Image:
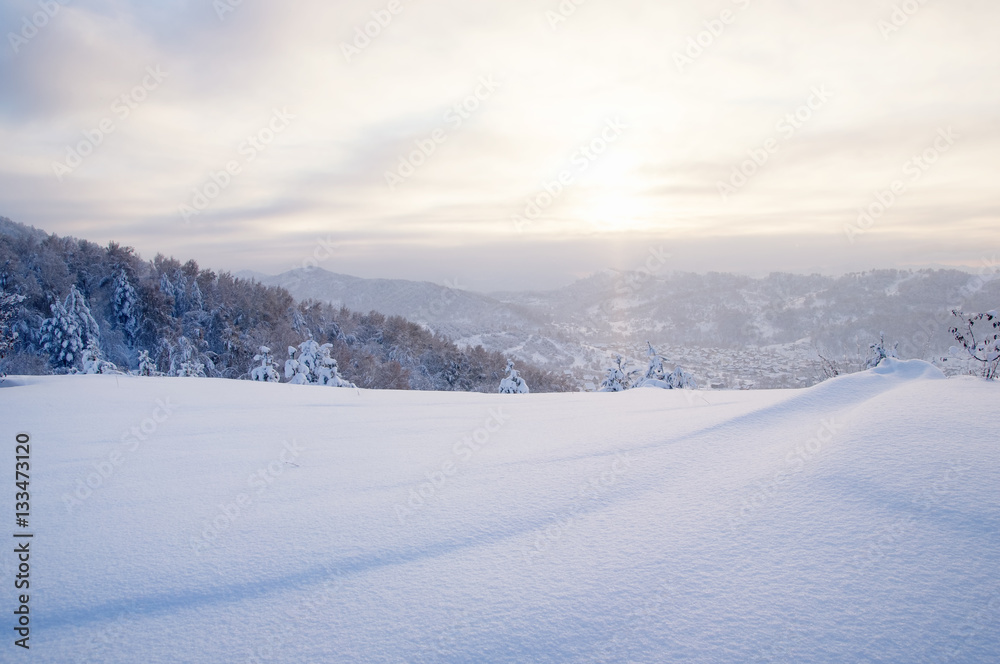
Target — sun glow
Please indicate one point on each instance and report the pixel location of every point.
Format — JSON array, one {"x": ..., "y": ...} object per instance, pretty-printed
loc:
[{"x": 612, "y": 197}]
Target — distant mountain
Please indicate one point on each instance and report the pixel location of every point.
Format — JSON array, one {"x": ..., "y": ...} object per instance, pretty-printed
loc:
[
  {"x": 732, "y": 330},
  {"x": 453, "y": 312}
]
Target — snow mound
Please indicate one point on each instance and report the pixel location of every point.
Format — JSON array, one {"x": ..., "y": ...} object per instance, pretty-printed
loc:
[{"x": 908, "y": 369}]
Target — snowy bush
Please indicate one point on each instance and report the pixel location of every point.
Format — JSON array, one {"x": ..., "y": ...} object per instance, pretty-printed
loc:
[
  {"x": 619, "y": 378},
  {"x": 69, "y": 331},
  {"x": 982, "y": 344},
  {"x": 265, "y": 372},
  {"x": 512, "y": 382},
  {"x": 313, "y": 366},
  {"x": 878, "y": 351}
]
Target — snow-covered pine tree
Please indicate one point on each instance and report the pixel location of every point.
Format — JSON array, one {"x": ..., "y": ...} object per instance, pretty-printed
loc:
[
  {"x": 125, "y": 303},
  {"x": 980, "y": 345},
  {"x": 512, "y": 382},
  {"x": 296, "y": 372},
  {"x": 619, "y": 378},
  {"x": 8, "y": 334},
  {"x": 313, "y": 366},
  {"x": 265, "y": 373},
  {"x": 147, "y": 367},
  {"x": 681, "y": 380},
  {"x": 326, "y": 370},
  {"x": 655, "y": 369},
  {"x": 878, "y": 351},
  {"x": 69, "y": 331},
  {"x": 93, "y": 363},
  {"x": 184, "y": 360}
]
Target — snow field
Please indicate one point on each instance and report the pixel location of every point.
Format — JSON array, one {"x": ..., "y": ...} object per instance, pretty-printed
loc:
[{"x": 858, "y": 520}]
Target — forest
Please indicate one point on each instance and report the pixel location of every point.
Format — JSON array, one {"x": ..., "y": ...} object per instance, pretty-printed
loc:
[{"x": 69, "y": 301}]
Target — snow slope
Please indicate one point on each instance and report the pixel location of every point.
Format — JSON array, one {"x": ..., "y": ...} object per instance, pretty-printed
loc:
[{"x": 855, "y": 521}]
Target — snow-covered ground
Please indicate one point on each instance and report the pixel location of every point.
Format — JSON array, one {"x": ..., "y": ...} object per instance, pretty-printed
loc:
[{"x": 854, "y": 521}]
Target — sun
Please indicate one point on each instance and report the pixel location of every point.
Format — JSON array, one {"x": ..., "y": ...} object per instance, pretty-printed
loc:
[{"x": 611, "y": 197}]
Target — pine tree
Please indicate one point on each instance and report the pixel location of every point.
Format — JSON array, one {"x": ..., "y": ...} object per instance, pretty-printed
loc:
[
  {"x": 147, "y": 367},
  {"x": 69, "y": 331},
  {"x": 125, "y": 303},
  {"x": 681, "y": 380},
  {"x": 265, "y": 373},
  {"x": 184, "y": 360},
  {"x": 296, "y": 372},
  {"x": 314, "y": 366},
  {"x": 8, "y": 335},
  {"x": 93, "y": 363},
  {"x": 326, "y": 371},
  {"x": 619, "y": 378},
  {"x": 512, "y": 382}
]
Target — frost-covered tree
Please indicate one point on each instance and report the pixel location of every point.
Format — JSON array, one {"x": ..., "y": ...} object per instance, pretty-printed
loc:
[
  {"x": 184, "y": 360},
  {"x": 125, "y": 303},
  {"x": 69, "y": 331},
  {"x": 265, "y": 372},
  {"x": 878, "y": 351},
  {"x": 94, "y": 363},
  {"x": 313, "y": 366},
  {"x": 619, "y": 378},
  {"x": 681, "y": 380},
  {"x": 657, "y": 376},
  {"x": 147, "y": 367},
  {"x": 654, "y": 371},
  {"x": 512, "y": 382},
  {"x": 326, "y": 370},
  {"x": 980, "y": 344},
  {"x": 296, "y": 372},
  {"x": 8, "y": 333}
]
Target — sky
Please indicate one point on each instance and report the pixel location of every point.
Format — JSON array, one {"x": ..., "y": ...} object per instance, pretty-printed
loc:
[{"x": 508, "y": 145}]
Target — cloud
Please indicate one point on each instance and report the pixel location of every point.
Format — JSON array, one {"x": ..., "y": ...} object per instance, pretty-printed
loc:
[{"x": 688, "y": 128}]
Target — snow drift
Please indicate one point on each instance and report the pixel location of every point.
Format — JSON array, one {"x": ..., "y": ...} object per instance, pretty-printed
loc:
[{"x": 200, "y": 520}]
